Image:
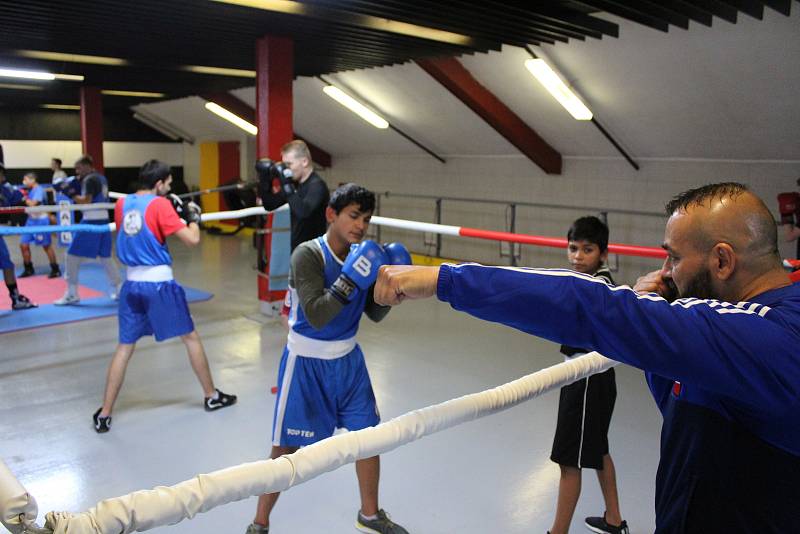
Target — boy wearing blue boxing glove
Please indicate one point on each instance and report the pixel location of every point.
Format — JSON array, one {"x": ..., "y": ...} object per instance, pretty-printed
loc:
[{"x": 323, "y": 383}]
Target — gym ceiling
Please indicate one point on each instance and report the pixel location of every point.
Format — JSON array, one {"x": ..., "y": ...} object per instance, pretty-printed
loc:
[{"x": 176, "y": 48}]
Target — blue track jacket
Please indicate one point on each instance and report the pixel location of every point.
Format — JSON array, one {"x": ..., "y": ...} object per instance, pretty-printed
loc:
[{"x": 725, "y": 376}]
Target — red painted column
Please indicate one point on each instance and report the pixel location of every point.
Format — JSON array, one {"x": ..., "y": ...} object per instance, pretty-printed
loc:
[
  {"x": 274, "y": 77},
  {"x": 92, "y": 125}
]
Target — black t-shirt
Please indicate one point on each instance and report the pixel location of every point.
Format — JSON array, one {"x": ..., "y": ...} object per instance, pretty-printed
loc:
[
  {"x": 307, "y": 207},
  {"x": 92, "y": 184}
]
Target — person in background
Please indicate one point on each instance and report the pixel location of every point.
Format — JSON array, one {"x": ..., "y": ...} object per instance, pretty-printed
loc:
[{"x": 36, "y": 197}]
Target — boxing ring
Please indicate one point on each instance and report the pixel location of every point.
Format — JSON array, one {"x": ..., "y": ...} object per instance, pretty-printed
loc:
[{"x": 147, "y": 509}]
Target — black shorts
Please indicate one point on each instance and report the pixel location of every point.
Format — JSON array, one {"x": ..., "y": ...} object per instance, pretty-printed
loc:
[{"x": 584, "y": 414}]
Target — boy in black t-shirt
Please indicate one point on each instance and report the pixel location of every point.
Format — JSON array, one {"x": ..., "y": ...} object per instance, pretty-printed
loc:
[{"x": 585, "y": 406}]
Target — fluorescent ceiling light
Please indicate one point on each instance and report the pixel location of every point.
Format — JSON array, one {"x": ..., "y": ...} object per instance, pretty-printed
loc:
[
  {"x": 27, "y": 74},
  {"x": 71, "y": 107},
  {"x": 366, "y": 21},
  {"x": 143, "y": 94},
  {"x": 218, "y": 110},
  {"x": 69, "y": 77},
  {"x": 556, "y": 87},
  {"x": 220, "y": 71},
  {"x": 21, "y": 86},
  {"x": 72, "y": 58},
  {"x": 356, "y": 107}
]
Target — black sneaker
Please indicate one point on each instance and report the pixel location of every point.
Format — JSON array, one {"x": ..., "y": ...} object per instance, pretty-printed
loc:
[
  {"x": 380, "y": 525},
  {"x": 101, "y": 424},
  {"x": 21, "y": 302},
  {"x": 26, "y": 273},
  {"x": 223, "y": 400},
  {"x": 54, "y": 273},
  {"x": 598, "y": 524}
]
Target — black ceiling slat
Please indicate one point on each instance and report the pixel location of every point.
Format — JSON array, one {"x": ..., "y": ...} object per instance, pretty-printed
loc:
[
  {"x": 573, "y": 18},
  {"x": 631, "y": 14},
  {"x": 715, "y": 7},
  {"x": 658, "y": 10},
  {"x": 784, "y": 7},
  {"x": 456, "y": 21},
  {"x": 690, "y": 10},
  {"x": 535, "y": 13},
  {"x": 481, "y": 14},
  {"x": 749, "y": 7}
]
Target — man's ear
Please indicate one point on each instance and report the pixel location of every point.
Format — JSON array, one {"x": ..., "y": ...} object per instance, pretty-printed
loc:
[
  {"x": 723, "y": 261},
  {"x": 330, "y": 214}
]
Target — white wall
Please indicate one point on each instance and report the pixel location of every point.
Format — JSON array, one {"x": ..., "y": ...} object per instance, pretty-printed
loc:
[
  {"x": 591, "y": 182},
  {"x": 37, "y": 154}
]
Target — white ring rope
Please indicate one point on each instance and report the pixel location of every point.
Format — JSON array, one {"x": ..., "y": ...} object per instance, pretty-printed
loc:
[{"x": 143, "y": 510}]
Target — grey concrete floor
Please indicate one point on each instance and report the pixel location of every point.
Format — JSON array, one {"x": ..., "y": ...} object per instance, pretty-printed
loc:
[{"x": 489, "y": 476}]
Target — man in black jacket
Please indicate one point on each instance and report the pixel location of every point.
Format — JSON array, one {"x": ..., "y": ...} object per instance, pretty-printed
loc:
[{"x": 303, "y": 189}]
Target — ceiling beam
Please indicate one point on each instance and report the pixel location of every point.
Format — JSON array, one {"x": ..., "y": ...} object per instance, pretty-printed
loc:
[
  {"x": 455, "y": 78},
  {"x": 247, "y": 112}
]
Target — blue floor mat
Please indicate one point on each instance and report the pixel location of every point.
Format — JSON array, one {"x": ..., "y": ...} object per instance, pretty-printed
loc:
[{"x": 92, "y": 276}]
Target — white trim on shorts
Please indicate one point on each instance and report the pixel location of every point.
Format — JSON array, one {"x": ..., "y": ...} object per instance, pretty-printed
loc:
[
  {"x": 288, "y": 373},
  {"x": 149, "y": 273}
]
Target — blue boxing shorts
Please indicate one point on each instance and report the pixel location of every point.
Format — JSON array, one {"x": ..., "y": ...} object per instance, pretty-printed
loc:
[
  {"x": 43, "y": 240},
  {"x": 316, "y": 396},
  {"x": 5, "y": 257},
  {"x": 91, "y": 244},
  {"x": 153, "y": 308}
]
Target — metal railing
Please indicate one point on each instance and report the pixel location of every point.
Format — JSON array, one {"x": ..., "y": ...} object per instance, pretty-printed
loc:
[{"x": 512, "y": 210}]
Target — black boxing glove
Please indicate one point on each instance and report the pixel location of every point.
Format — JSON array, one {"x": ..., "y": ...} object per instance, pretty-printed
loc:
[
  {"x": 192, "y": 212},
  {"x": 287, "y": 179},
  {"x": 179, "y": 206},
  {"x": 264, "y": 170}
]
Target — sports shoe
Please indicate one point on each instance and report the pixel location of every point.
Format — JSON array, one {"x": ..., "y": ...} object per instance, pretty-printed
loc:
[
  {"x": 598, "y": 524},
  {"x": 28, "y": 271},
  {"x": 21, "y": 302},
  {"x": 101, "y": 424},
  {"x": 54, "y": 273},
  {"x": 380, "y": 525},
  {"x": 255, "y": 528},
  {"x": 223, "y": 400},
  {"x": 67, "y": 299}
]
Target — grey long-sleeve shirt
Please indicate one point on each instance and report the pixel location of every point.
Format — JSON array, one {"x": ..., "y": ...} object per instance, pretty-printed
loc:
[{"x": 307, "y": 276}]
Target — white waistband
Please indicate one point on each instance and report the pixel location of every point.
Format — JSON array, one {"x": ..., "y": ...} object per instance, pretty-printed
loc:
[
  {"x": 149, "y": 273},
  {"x": 318, "y": 348}
]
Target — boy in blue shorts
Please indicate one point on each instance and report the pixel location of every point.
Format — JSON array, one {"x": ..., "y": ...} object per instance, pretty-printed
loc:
[
  {"x": 323, "y": 383},
  {"x": 36, "y": 197},
  {"x": 585, "y": 406},
  {"x": 89, "y": 245},
  {"x": 150, "y": 301}
]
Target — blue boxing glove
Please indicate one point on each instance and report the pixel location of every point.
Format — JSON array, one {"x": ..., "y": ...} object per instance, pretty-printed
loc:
[
  {"x": 397, "y": 254},
  {"x": 70, "y": 187},
  {"x": 360, "y": 270}
]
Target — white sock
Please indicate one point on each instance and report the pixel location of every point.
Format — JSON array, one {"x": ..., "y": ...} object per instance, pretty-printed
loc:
[{"x": 368, "y": 517}]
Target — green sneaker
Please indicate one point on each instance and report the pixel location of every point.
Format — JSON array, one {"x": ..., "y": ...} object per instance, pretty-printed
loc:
[
  {"x": 255, "y": 528},
  {"x": 380, "y": 525}
]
